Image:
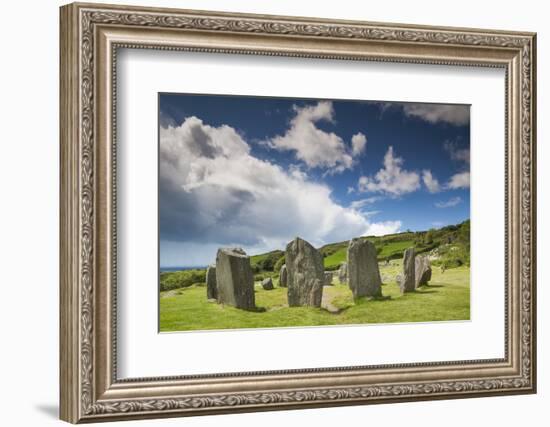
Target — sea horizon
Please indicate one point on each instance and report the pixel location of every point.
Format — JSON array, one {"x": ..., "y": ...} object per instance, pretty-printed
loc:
[{"x": 181, "y": 268}]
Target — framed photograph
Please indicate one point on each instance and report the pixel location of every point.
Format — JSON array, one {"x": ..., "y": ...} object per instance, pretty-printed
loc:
[{"x": 266, "y": 212}]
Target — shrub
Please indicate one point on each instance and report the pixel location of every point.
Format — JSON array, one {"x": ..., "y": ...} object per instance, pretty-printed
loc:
[
  {"x": 451, "y": 256},
  {"x": 279, "y": 264},
  {"x": 181, "y": 279},
  {"x": 265, "y": 262}
]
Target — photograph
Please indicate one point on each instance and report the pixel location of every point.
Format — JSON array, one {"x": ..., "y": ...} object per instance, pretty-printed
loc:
[
  {"x": 291, "y": 212},
  {"x": 264, "y": 210}
]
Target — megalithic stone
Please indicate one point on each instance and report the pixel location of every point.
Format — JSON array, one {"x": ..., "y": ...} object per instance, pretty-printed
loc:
[
  {"x": 408, "y": 280},
  {"x": 283, "y": 277},
  {"x": 343, "y": 273},
  {"x": 234, "y": 278},
  {"x": 363, "y": 272},
  {"x": 211, "y": 287},
  {"x": 423, "y": 270},
  {"x": 328, "y": 278},
  {"x": 306, "y": 274},
  {"x": 267, "y": 284}
]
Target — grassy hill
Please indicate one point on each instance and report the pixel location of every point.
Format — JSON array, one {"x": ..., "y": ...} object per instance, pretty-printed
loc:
[
  {"x": 336, "y": 254},
  {"x": 451, "y": 244},
  {"x": 449, "y": 247}
]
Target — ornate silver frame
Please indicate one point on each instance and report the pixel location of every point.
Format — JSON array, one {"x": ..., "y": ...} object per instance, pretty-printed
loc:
[{"x": 90, "y": 36}]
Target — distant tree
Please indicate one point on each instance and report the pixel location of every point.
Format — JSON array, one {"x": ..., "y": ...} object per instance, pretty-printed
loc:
[
  {"x": 268, "y": 263},
  {"x": 279, "y": 264},
  {"x": 429, "y": 237},
  {"x": 464, "y": 233}
]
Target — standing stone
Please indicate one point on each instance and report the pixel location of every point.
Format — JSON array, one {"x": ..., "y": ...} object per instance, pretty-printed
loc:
[
  {"x": 423, "y": 270},
  {"x": 283, "y": 277},
  {"x": 328, "y": 278},
  {"x": 267, "y": 284},
  {"x": 343, "y": 273},
  {"x": 305, "y": 274},
  {"x": 363, "y": 273},
  {"x": 234, "y": 278},
  {"x": 211, "y": 287},
  {"x": 407, "y": 283}
]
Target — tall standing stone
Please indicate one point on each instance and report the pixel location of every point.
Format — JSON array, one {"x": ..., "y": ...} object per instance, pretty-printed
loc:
[
  {"x": 363, "y": 272},
  {"x": 234, "y": 278},
  {"x": 283, "y": 277},
  {"x": 423, "y": 270},
  {"x": 211, "y": 287},
  {"x": 305, "y": 274},
  {"x": 328, "y": 278},
  {"x": 407, "y": 283},
  {"x": 343, "y": 273}
]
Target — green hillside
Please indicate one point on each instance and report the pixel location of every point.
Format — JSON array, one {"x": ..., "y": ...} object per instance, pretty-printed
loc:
[
  {"x": 448, "y": 246},
  {"x": 265, "y": 262}
]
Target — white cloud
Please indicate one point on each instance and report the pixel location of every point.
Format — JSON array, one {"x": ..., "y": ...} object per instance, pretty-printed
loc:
[
  {"x": 214, "y": 192},
  {"x": 431, "y": 183},
  {"x": 457, "y": 115},
  {"x": 316, "y": 147},
  {"x": 458, "y": 154},
  {"x": 362, "y": 184},
  {"x": 391, "y": 179},
  {"x": 359, "y": 204},
  {"x": 453, "y": 201},
  {"x": 462, "y": 155},
  {"x": 459, "y": 180},
  {"x": 358, "y": 143},
  {"x": 383, "y": 228}
]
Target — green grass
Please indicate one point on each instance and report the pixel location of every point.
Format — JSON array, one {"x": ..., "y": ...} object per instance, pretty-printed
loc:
[
  {"x": 336, "y": 258},
  {"x": 392, "y": 249},
  {"x": 446, "y": 298}
]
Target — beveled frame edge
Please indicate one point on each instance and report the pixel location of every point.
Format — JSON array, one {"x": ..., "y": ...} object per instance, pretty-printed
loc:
[{"x": 88, "y": 390}]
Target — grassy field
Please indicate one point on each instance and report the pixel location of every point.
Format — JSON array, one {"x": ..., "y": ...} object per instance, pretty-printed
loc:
[{"x": 446, "y": 298}]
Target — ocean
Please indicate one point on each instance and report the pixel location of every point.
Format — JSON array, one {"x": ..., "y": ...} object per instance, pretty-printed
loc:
[{"x": 198, "y": 267}]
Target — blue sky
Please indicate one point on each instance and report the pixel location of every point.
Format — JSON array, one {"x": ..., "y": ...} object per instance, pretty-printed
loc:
[{"x": 255, "y": 172}]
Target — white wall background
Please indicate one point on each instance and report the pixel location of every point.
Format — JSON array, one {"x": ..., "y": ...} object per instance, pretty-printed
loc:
[{"x": 29, "y": 170}]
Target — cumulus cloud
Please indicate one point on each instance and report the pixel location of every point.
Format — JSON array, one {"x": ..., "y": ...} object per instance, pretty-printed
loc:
[
  {"x": 383, "y": 228},
  {"x": 457, "y": 115},
  {"x": 314, "y": 146},
  {"x": 459, "y": 180},
  {"x": 213, "y": 191},
  {"x": 391, "y": 179},
  {"x": 453, "y": 201},
  {"x": 358, "y": 143},
  {"x": 431, "y": 183}
]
